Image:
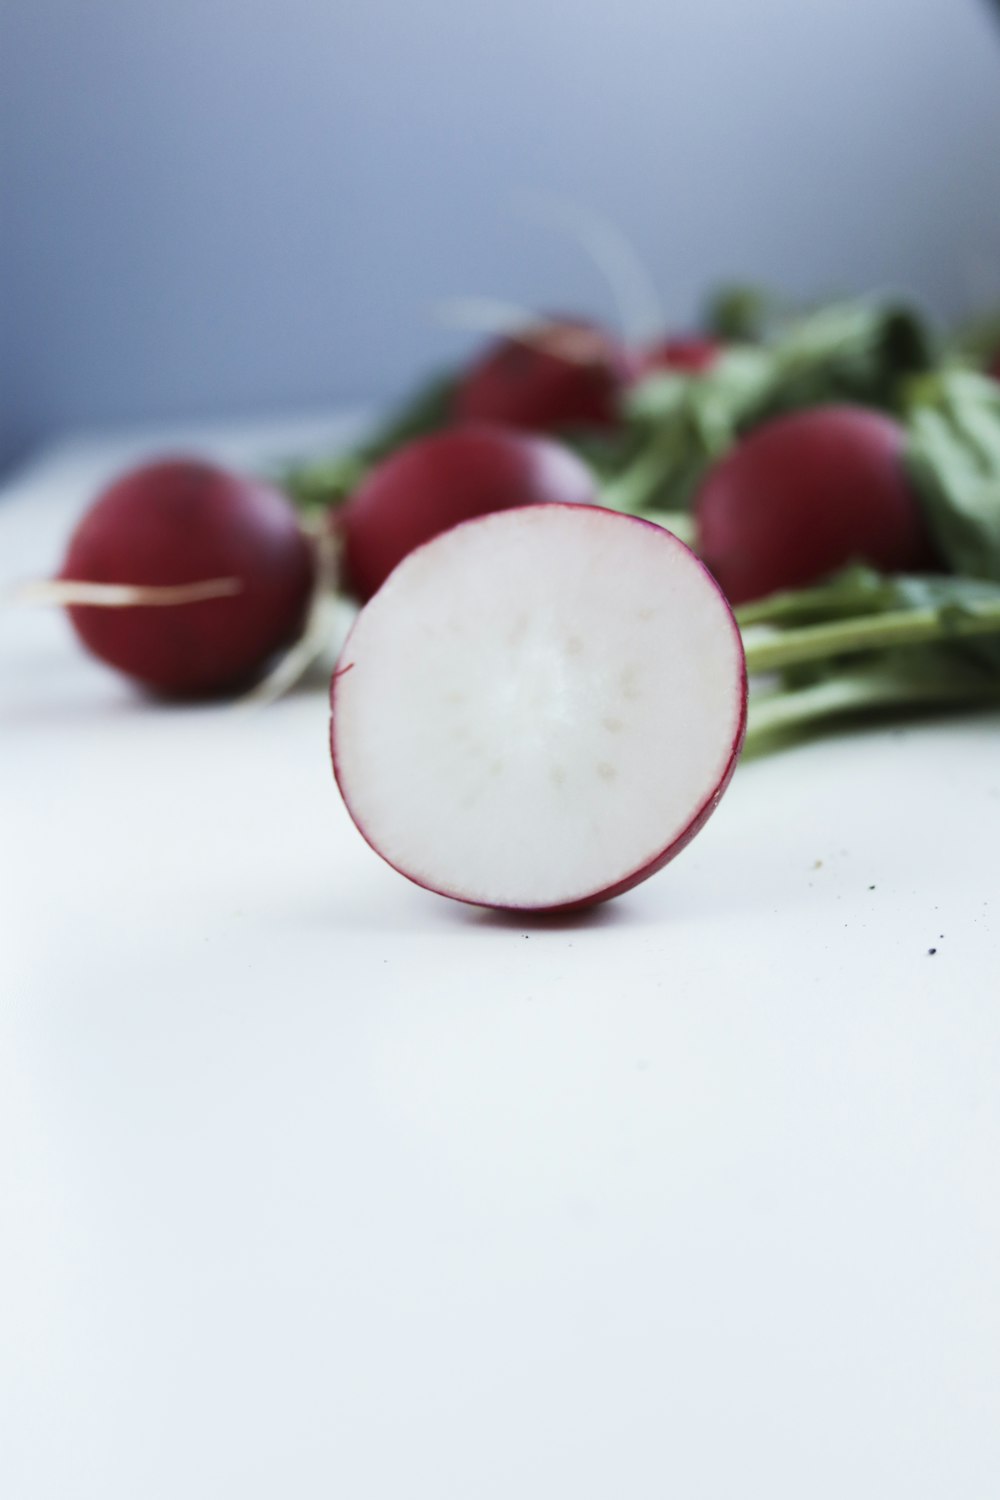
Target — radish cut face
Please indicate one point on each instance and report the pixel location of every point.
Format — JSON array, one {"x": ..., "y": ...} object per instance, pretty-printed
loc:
[{"x": 539, "y": 707}]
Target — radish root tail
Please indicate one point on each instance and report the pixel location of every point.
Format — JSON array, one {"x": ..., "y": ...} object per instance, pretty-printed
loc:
[{"x": 60, "y": 592}]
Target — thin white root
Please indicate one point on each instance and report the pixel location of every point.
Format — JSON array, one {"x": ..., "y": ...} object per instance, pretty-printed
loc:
[
  {"x": 296, "y": 662},
  {"x": 633, "y": 291},
  {"x": 65, "y": 591},
  {"x": 320, "y": 625}
]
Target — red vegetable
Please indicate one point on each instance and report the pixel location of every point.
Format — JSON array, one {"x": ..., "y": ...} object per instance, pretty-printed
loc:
[
  {"x": 435, "y": 482},
  {"x": 559, "y": 375},
  {"x": 806, "y": 494},
  {"x": 540, "y": 709},
  {"x": 177, "y": 522},
  {"x": 690, "y": 354}
]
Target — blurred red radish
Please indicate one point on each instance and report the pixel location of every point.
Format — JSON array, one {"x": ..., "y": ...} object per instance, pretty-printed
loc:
[
  {"x": 539, "y": 708},
  {"x": 177, "y": 522},
  {"x": 435, "y": 482},
  {"x": 689, "y": 354},
  {"x": 556, "y": 376},
  {"x": 805, "y": 494}
]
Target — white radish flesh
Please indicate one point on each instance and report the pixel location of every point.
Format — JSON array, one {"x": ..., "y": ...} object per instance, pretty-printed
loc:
[{"x": 539, "y": 708}]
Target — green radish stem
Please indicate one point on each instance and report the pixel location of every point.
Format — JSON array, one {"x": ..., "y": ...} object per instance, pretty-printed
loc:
[
  {"x": 904, "y": 627},
  {"x": 824, "y": 600},
  {"x": 633, "y": 489},
  {"x": 785, "y": 713}
]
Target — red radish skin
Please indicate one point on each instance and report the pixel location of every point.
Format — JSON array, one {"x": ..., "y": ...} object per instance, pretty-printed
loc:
[
  {"x": 438, "y": 481},
  {"x": 515, "y": 622},
  {"x": 175, "y": 522},
  {"x": 688, "y": 354},
  {"x": 808, "y": 493},
  {"x": 558, "y": 376}
]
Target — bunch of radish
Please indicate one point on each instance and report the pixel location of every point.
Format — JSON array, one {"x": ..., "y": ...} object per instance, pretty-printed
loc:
[
  {"x": 539, "y": 709},
  {"x": 542, "y": 699}
]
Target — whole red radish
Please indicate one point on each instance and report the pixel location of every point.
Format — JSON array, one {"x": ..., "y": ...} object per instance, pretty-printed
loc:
[
  {"x": 552, "y": 377},
  {"x": 177, "y": 522},
  {"x": 540, "y": 707},
  {"x": 435, "y": 482},
  {"x": 805, "y": 494},
  {"x": 688, "y": 354}
]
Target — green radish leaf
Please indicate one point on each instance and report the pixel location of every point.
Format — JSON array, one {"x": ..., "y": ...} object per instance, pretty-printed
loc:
[
  {"x": 977, "y": 341},
  {"x": 847, "y": 351},
  {"x": 427, "y": 410},
  {"x": 953, "y": 457},
  {"x": 323, "y": 483},
  {"x": 741, "y": 314}
]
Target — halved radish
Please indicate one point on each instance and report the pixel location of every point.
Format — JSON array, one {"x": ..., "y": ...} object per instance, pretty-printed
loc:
[{"x": 539, "y": 708}]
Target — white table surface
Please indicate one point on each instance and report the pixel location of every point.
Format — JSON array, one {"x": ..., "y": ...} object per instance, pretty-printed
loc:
[{"x": 313, "y": 1184}]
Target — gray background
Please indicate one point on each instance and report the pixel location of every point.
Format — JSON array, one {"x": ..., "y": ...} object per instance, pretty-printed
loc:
[{"x": 220, "y": 207}]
